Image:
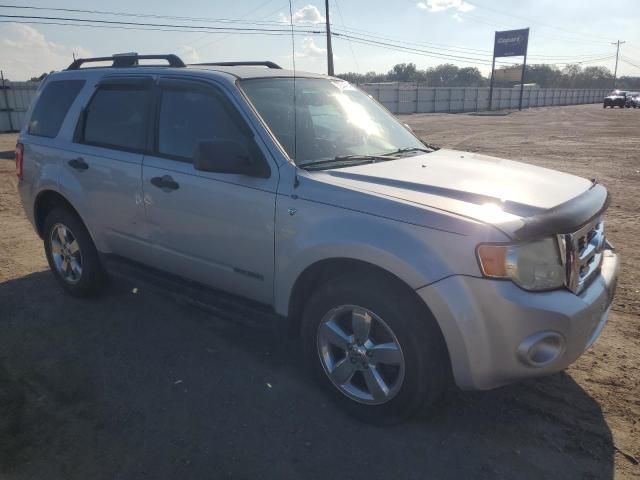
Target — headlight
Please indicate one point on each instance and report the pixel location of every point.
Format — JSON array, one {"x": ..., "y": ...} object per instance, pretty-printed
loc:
[{"x": 533, "y": 266}]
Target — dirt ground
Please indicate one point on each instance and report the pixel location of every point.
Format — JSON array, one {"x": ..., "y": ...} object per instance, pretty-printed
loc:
[{"x": 136, "y": 385}]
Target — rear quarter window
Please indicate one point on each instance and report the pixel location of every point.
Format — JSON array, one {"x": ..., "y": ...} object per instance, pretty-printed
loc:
[{"x": 52, "y": 107}]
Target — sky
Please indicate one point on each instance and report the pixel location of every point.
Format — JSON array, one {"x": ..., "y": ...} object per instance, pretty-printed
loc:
[{"x": 438, "y": 31}]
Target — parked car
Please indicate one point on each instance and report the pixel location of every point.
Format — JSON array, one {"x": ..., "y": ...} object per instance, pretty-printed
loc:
[
  {"x": 617, "y": 98},
  {"x": 633, "y": 100},
  {"x": 402, "y": 267}
]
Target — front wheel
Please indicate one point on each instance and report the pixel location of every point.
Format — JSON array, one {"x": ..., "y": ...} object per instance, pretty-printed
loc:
[
  {"x": 71, "y": 254},
  {"x": 369, "y": 343}
]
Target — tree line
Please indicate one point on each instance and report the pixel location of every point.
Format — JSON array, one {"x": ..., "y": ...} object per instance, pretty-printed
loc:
[{"x": 545, "y": 76}]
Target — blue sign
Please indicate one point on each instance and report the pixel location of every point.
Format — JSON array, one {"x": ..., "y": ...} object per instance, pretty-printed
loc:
[{"x": 511, "y": 43}]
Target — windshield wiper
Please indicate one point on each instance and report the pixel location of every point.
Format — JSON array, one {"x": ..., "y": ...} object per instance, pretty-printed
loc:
[
  {"x": 409, "y": 149},
  {"x": 345, "y": 160}
]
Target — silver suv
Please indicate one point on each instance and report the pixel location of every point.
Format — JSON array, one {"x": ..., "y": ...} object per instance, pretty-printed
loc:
[{"x": 401, "y": 266}]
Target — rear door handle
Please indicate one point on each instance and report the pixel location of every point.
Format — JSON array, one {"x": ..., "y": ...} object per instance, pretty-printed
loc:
[
  {"x": 165, "y": 183},
  {"x": 78, "y": 164}
]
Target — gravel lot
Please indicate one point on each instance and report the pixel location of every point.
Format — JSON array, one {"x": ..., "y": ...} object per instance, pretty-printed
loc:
[{"x": 137, "y": 385}]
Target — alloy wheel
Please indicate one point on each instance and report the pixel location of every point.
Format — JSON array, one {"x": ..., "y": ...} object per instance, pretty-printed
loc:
[
  {"x": 360, "y": 354},
  {"x": 66, "y": 253}
]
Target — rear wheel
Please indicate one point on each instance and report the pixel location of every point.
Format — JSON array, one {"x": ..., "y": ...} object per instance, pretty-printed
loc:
[
  {"x": 71, "y": 254},
  {"x": 370, "y": 344}
]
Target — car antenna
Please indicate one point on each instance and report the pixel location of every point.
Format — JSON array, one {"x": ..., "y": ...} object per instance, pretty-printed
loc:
[{"x": 296, "y": 180}]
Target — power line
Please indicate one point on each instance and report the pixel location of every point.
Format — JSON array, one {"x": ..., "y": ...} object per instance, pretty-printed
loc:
[
  {"x": 463, "y": 59},
  {"x": 152, "y": 29},
  {"x": 485, "y": 53},
  {"x": 252, "y": 11},
  {"x": 398, "y": 45},
  {"x": 365, "y": 33},
  {"x": 148, "y": 15},
  {"x": 426, "y": 53},
  {"x": 353, "y": 54},
  {"x": 628, "y": 62},
  {"x": 434, "y": 55},
  {"x": 113, "y": 22}
]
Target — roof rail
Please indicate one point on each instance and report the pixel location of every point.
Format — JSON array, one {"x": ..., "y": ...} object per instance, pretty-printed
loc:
[
  {"x": 238, "y": 64},
  {"x": 128, "y": 60}
]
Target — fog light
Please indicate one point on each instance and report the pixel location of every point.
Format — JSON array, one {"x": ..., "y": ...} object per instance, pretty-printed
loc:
[{"x": 541, "y": 349}]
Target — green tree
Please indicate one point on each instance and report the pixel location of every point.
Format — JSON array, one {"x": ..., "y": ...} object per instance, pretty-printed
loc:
[
  {"x": 470, "y": 77},
  {"x": 442, "y": 75},
  {"x": 595, "y": 77},
  {"x": 403, "y": 72}
]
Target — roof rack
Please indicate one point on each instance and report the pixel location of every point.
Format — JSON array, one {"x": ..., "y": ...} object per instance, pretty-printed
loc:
[
  {"x": 238, "y": 64},
  {"x": 128, "y": 60}
]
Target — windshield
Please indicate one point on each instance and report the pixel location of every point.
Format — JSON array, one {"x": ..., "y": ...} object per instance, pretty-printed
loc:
[
  {"x": 617, "y": 93},
  {"x": 333, "y": 119}
]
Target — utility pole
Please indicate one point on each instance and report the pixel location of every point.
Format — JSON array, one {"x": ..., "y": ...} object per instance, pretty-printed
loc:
[
  {"x": 615, "y": 72},
  {"x": 329, "y": 49}
]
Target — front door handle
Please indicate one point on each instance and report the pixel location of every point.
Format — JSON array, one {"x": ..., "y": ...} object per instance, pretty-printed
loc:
[
  {"x": 78, "y": 164},
  {"x": 165, "y": 183}
]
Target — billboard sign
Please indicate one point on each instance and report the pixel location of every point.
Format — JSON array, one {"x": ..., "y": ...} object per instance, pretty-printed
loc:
[
  {"x": 508, "y": 74},
  {"x": 511, "y": 43}
]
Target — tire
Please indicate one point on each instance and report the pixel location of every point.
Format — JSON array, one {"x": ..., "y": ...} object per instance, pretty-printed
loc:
[
  {"x": 77, "y": 250},
  {"x": 414, "y": 385}
]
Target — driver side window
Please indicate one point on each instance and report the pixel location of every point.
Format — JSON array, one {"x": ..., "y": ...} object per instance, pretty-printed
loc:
[{"x": 191, "y": 115}]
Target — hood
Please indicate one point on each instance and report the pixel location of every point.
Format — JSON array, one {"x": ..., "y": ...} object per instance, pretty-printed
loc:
[{"x": 483, "y": 188}]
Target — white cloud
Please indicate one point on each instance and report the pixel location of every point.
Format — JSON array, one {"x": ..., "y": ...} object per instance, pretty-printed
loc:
[
  {"x": 309, "y": 14},
  {"x": 189, "y": 54},
  {"x": 26, "y": 52},
  {"x": 442, "y": 5},
  {"x": 457, "y": 17},
  {"x": 309, "y": 49}
]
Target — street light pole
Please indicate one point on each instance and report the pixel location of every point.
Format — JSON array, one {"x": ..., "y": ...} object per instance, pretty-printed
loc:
[{"x": 329, "y": 49}]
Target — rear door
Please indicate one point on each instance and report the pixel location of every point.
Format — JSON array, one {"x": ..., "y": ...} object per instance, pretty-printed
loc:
[
  {"x": 105, "y": 164},
  {"x": 215, "y": 228}
]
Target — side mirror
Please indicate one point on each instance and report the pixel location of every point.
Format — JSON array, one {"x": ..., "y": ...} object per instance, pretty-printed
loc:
[{"x": 226, "y": 156}]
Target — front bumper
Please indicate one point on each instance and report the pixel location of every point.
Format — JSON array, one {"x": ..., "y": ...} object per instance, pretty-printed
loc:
[{"x": 487, "y": 323}]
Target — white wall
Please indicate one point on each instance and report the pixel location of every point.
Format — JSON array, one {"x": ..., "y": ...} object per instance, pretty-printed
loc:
[
  {"x": 411, "y": 98},
  {"x": 19, "y": 95},
  {"x": 397, "y": 97}
]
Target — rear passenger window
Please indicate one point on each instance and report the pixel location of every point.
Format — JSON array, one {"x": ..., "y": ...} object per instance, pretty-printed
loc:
[
  {"x": 53, "y": 104},
  {"x": 117, "y": 117},
  {"x": 188, "y": 116}
]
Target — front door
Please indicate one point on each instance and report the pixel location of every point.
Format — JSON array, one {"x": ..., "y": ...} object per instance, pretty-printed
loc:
[{"x": 215, "y": 228}]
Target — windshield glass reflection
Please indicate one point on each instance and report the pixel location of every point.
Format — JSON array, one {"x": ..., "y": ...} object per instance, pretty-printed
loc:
[{"x": 332, "y": 119}]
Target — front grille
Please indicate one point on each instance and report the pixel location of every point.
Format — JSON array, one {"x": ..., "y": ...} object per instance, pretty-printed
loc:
[{"x": 583, "y": 254}]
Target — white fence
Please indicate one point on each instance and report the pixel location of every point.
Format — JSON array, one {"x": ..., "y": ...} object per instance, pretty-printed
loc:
[
  {"x": 15, "y": 98},
  {"x": 412, "y": 98}
]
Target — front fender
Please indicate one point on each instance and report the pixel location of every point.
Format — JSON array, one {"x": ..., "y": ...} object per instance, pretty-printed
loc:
[{"x": 308, "y": 232}]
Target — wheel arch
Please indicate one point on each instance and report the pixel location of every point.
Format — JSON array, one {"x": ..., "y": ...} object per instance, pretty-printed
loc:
[
  {"x": 323, "y": 270},
  {"x": 45, "y": 202}
]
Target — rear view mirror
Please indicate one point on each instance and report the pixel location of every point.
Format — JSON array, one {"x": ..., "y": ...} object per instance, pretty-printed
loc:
[{"x": 226, "y": 156}]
